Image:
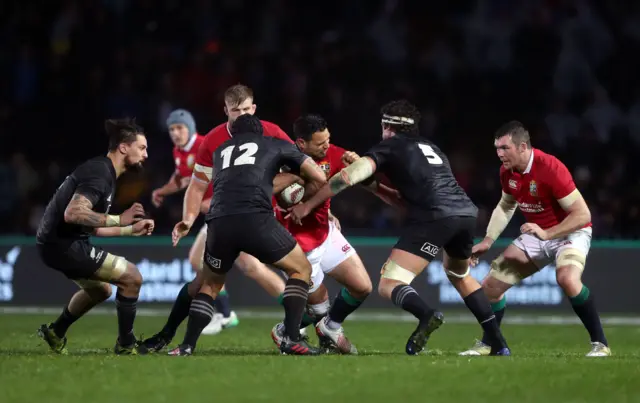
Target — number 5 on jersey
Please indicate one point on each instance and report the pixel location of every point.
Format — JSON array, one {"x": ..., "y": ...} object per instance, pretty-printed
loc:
[
  {"x": 432, "y": 157},
  {"x": 246, "y": 158}
]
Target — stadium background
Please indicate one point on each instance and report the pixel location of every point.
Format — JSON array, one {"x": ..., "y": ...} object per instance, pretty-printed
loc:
[{"x": 567, "y": 69}]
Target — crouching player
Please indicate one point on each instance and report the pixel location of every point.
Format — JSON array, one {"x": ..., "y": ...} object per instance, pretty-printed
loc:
[{"x": 558, "y": 230}]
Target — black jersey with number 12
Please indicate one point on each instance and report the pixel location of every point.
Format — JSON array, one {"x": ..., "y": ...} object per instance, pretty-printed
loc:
[
  {"x": 422, "y": 174},
  {"x": 96, "y": 180},
  {"x": 244, "y": 168}
]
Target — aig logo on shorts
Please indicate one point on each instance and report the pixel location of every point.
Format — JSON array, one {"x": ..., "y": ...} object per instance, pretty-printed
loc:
[
  {"x": 430, "y": 249},
  {"x": 213, "y": 262}
]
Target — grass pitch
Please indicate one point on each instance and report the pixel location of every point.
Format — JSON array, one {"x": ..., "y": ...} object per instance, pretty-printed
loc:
[{"x": 243, "y": 365}]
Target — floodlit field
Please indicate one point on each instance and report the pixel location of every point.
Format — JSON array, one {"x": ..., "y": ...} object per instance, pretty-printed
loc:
[{"x": 242, "y": 365}]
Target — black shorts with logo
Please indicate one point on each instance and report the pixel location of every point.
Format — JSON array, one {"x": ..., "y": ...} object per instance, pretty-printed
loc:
[
  {"x": 425, "y": 239},
  {"x": 258, "y": 234},
  {"x": 77, "y": 259}
]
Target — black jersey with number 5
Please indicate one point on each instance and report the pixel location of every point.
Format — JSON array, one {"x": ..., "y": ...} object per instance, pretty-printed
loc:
[
  {"x": 422, "y": 174},
  {"x": 243, "y": 172},
  {"x": 96, "y": 180}
]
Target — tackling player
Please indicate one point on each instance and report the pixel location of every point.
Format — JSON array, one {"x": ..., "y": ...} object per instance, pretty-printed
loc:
[
  {"x": 558, "y": 230},
  {"x": 242, "y": 170},
  {"x": 326, "y": 248},
  {"x": 439, "y": 215},
  {"x": 80, "y": 208},
  {"x": 182, "y": 129},
  {"x": 238, "y": 101}
]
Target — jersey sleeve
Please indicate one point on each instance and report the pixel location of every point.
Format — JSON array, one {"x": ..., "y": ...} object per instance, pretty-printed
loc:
[
  {"x": 380, "y": 153},
  {"x": 204, "y": 159},
  {"x": 336, "y": 157},
  {"x": 273, "y": 130},
  {"x": 291, "y": 156},
  {"x": 93, "y": 183},
  {"x": 560, "y": 181},
  {"x": 504, "y": 181}
]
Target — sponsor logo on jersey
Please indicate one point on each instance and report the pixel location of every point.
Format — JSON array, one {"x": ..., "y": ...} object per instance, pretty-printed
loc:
[
  {"x": 191, "y": 160},
  {"x": 513, "y": 184},
  {"x": 533, "y": 188},
  {"x": 326, "y": 167},
  {"x": 430, "y": 249},
  {"x": 212, "y": 261}
]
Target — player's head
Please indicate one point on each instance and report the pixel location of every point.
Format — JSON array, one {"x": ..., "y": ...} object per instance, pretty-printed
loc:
[
  {"x": 312, "y": 135},
  {"x": 181, "y": 126},
  {"x": 245, "y": 124},
  {"x": 513, "y": 145},
  {"x": 238, "y": 101},
  {"x": 399, "y": 116},
  {"x": 127, "y": 140}
]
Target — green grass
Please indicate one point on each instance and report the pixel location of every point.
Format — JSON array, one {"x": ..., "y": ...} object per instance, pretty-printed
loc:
[{"x": 242, "y": 365}]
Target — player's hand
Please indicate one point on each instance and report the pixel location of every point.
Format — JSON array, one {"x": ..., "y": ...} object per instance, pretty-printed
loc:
[
  {"x": 180, "y": 230},
  {"x": 535, "y": 230},
  {"x": 297, "y": 213},
  {"x": 478, "y": 250},
  {"x": 157, "y": 198},
  {"x": 132, "y": 215},
  {"x": 144, "y": 227},
  {"x": 349, "y": 157},
  {"x": 335, "y": 222}
]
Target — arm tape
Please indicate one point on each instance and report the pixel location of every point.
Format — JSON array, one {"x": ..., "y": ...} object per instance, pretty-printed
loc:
[
  {"x": 501, "y": 216},
  {"x": 569, "y": 199}
]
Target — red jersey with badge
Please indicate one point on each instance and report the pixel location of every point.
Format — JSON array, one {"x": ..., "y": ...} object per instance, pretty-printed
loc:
[
  {"x": 185, "y": 159},
  {"x": 538, "y": 189},
  {"x": 220, "y": 134},
  {"x": 315, "y": 227}
]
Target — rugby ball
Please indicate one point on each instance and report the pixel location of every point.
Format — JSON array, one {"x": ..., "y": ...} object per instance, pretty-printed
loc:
[{"x": 292, "y": 195}]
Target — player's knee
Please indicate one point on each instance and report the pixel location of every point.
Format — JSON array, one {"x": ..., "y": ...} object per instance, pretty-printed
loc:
[
  {"x": 134, "y": 277},
  {"x": 493, "y": 288},
  {"x": 568, "y": 278},
  {"x": 361, "y": 290}
]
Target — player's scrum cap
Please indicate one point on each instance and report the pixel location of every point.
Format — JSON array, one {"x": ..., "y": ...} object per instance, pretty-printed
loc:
[
  {"x": 184, "y": 117},
  {"x": 397, "y": 120}
]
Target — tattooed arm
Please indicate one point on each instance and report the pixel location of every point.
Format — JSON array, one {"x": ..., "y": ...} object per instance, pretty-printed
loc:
[{"x": 79, "y": 211}]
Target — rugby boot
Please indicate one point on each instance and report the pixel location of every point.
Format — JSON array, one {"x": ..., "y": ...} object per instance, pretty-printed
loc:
[
  {"x": 598, "y": 350},
  {"x": 420, "y": 336},
  {"x": 57, "y": 344},
  {"x": 277, "y": 334},
  {"x": 300, "y": 347},
  {"x": 157, "y": 342},
  {"x": 478, "y": 349},
  {"x": 182, "y": 350},
  {"x": 136, "y": 348},
  {"x": 334, "y": 338}
]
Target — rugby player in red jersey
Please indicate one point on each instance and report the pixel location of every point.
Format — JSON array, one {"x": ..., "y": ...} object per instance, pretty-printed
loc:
[
  {"x": 238, "y": 101},
  {"x": 558, "y": 230},
  {"x": 326, "y": 248}
]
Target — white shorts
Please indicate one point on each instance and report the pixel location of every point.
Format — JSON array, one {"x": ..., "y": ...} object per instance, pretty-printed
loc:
[
  {"x": 543, "y": 253},
  {"x": 326, "y": 257}
]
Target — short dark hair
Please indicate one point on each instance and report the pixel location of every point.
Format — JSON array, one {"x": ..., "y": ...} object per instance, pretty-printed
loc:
[
  {"x": 122, "y": 131},
  {"x": 247, "y": 124},
  {"x": 402, "y": 116},
  {"x": 237, "y": 94},
  {"x": 306, "y": 125},
  {"x": 517, "y": 131}
]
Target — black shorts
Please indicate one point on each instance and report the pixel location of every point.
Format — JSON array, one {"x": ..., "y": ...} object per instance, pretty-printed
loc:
[
  {"x": 78, "y": 260},
  {"x": 426, "y": 239},
  {"x": 259, "y": 235}
]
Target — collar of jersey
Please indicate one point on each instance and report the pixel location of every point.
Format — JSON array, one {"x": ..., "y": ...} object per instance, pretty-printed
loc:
[
  {"x": 530, "y": 164},
  {"x": 190, "y": 143}
]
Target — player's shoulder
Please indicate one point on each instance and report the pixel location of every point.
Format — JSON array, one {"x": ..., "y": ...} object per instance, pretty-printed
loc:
[
  {"x": 335, "y": 150},
  {"x": 269, "y": 126},
  {"x": 216, "y": 136},
  {"x": 95, "y": 165},
  {"x": 546, "y": 162}
]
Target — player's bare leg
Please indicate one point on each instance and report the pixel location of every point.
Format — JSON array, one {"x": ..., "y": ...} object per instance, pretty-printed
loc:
[
  {"x": 270, "y": 281},
  {"x": 201, "y": 310},
  {"x": 357, "y": 287},
  {"x": 296, "y": 293},
  {"x": 457, "y": 271},
  {"x": 508, "y": 269},
  {"x": 91, "y": 294},
  {"x": 396, "y": 276},
  {"x": 569, "y": 268}
]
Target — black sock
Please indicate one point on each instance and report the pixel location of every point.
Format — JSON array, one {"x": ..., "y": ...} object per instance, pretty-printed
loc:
[
  {"x": 585, "y": 307},
  {"x": 200, "y": 314},
  {"x": 498, "y": 310},
  {"x": 179, "y": 312},
  {"x": 222, "y": 304},
  {"x": 408, "y": 299},
  {"x": 126, "y": 308},
  {"x": 295, "y": 294},
  {"x": 343, "y": 306},
  {"x": 478, "y": 304},
  {"x": 61, "y": 325},
  {"x": 306, "y": 318}
]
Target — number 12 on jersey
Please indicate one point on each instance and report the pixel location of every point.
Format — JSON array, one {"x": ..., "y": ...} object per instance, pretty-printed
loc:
[
  {"x": 432, "y": 157},
  {"x": 246, "y": 158}
]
